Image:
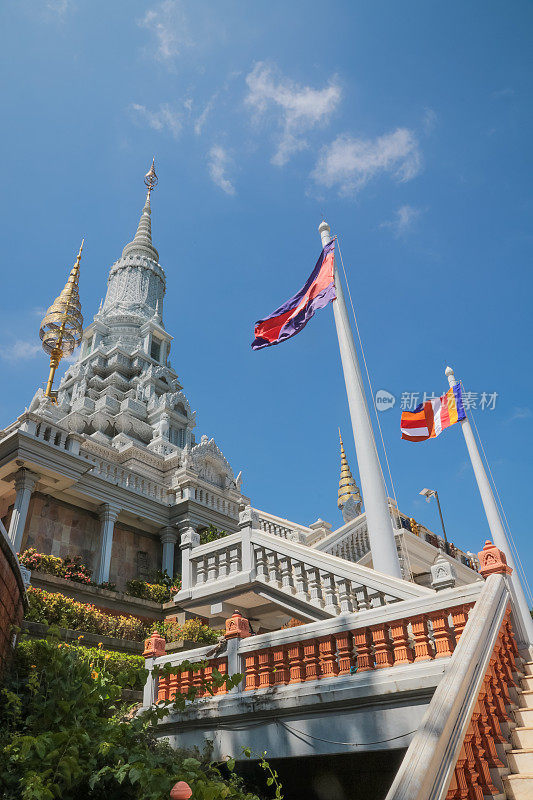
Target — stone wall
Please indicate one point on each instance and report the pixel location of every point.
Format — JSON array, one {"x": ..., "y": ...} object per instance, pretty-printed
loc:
[
  {"x": 60, "y": 529},
  {"x": 11, "y": 597},
  {"x": 126, "y": 563}
]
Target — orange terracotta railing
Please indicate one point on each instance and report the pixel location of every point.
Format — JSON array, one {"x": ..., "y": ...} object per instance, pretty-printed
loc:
[
  {"x": 471, "y": 778},
  {"x": 180, "y": 682},
  {"x": 423, "y": 637}
]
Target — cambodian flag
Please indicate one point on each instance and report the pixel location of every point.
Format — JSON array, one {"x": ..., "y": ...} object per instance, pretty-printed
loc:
[{"x": 292, "y": 316}]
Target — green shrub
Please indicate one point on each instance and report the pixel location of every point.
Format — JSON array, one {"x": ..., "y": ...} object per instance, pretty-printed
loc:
[
  {"x": 128, "y": 669},
  {"x": 61, "y": 737},
  {"x": 192, "y": 629},
  {"x": 54, "y": 608},
  {"x": 211, "y": 534},
  {"x": 33, "y": 560},
  {"x": 158, "y": 592}
]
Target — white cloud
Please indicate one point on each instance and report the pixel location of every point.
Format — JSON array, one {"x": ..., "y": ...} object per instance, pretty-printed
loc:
[
  {"x": 350, "y": 163},
  {"x": 429, "y": 121},
  {"x": 58, "y": 7},
  {"x": 168, "y": 24},
  {"x": 201, "y": 119},
  {"x": 218, "y": 163},
  {"x": 20, "y": 350},
  {"x": 503, "y": 93},
  {"x": 298, "y": 108},
  {"x": 403, "y": 220},
  {"x": 520, "y": 412},
  {"x": 165, "y": 118}
]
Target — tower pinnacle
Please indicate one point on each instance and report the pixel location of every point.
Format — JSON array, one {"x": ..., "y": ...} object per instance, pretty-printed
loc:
[
  {"x": 349, "y": 496},
  {"x": 142, "y": 241}
]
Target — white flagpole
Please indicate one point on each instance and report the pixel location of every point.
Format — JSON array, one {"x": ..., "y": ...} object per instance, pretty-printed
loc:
[
  {"x": 380, "y": 531},
  {"x": 499, "y": 536}
]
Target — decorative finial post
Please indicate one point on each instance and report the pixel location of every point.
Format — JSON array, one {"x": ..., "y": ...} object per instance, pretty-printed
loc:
[
  {"x": 62, "y": 326},
  {"x": 151, "y": 180}
]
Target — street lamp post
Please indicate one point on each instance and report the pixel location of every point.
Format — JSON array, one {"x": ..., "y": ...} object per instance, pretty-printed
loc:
[{"x": 428, "y": 494}]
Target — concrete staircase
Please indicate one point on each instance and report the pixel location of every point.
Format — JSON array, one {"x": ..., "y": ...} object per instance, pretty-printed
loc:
[{"x": 518, "y": 784}]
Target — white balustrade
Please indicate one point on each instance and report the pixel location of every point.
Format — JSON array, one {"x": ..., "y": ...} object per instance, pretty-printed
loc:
[
  {"x": 52, "y": 435},
  {"x": 325, "y": 582},
  {"x": 128, "y": 479}
]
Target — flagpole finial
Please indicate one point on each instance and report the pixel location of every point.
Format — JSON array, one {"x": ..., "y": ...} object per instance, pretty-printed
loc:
[
  {"x": 325, "y": 232},
  {"x": 450, "y": 375}
]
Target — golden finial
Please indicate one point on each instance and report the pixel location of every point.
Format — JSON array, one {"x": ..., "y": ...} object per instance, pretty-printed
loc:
[
  {"x": 62, "y": 327},
  {"x": 347, "y": 485},
  {"x": 150, "y": 179}
]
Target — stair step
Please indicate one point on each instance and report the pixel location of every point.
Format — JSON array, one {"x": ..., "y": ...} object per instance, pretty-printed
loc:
[
  {"x": 518, "y": 787},
  {"x": 524, "y": 717},
  {"x": 528, "y": 667},
  {"x": 527, "y": 682},
  {"x": 523, "y": 738},
  {"x": 521, "y": 761},
  {"x": 525, "y": 698}
]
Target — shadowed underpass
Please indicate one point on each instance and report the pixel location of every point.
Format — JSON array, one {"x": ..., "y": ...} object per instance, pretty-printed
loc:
[{"x": 354, "y": 776}]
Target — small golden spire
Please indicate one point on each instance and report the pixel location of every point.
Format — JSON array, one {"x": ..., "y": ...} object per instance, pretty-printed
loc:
[
  {"x": 347, "y": 485},
  {"x": 62, "y": 326}
]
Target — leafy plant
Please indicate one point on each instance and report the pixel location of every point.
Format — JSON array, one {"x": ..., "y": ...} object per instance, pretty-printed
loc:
[
  {"x": 157, "y": 592},
  {"x": 54, "y": 608},
  {"x": 273, "y": 777},
  {"x": 211, "y": 534},
  {"x": 109, "y": 585},
  {"x": 192, "y": 629},
  {"x": 128, "y": 669},
  {"x": 31, "y": 559},
  {"x": 75, "y": 570},
  {"x": 72, "y": 569},
  {"x": 61, "y": 736}
]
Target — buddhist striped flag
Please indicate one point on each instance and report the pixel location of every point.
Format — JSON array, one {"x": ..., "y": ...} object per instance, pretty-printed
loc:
[{"x": 432, "y": 417}]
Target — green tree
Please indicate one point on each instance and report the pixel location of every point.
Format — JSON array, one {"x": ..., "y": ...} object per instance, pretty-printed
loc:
[{"x": 64, "y": 734}]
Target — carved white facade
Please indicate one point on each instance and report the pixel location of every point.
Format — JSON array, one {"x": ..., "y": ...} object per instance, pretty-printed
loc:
[{"x": 123, "y": 411}]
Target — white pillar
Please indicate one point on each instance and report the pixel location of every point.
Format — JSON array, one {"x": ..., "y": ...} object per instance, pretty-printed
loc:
[
  {"x": 498, "y": 534},
  {"x": 379, "y": 523},
  {"x": 24, "y": 484},
  {"x": 168, "y": 537},
  {"x": 189, "y": 539},
  {"x": 108, "y": 514}
]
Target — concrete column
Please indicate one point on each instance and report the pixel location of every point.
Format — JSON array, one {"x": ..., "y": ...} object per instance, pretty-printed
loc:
[
  {"x": 108, "y": 514},
  {"x": 499, "y": 537},
  {"x": 24, "y": 484},
  {"x": 189, "y": 539},
  {"x": 168, "y": 537},
  {"x": 379, "y": 523}
]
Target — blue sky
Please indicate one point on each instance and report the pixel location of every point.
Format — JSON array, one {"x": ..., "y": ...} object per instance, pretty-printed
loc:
[{"x": 407, "y": 124}]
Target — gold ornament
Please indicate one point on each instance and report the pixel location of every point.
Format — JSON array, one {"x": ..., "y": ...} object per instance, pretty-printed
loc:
[{"x": 62, "y": 327}]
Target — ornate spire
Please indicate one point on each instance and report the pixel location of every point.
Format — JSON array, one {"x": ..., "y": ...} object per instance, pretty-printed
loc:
[
  {"x": 62, "y": 326},
  {"x": 348, "y": 488},
  {"x": 142, "y": 241}
]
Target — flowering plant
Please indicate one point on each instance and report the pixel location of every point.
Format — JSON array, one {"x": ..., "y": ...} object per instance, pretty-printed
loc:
[
  {"x": 33, "y": 560},
  {"x": 109, "y": 585},
  {"x": 54, "y": 608},
  {"x": 73, "y": 569}
]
